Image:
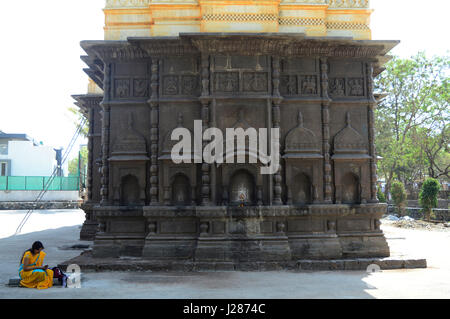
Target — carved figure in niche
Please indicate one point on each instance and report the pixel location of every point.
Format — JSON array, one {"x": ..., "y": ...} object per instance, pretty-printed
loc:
[
  {"x": 227, "y": 82},
  {"x": 242, "y": 188},
  {"x": 171, "y": 85},
  {"x": 122, "y": 88},
  {"x": 356, "y": 87},
  {"x": 140, "y": 88},
  {"x": 255, "y": 82},
  {"x": 309, "y": 85},
  {"x": 258, "y": 66},
  {"x": 189, "y": 84},
  {"x": 288, "y": 85},
  {"x": 242, "y": 197},
  {"x": 338, "y": 87}
]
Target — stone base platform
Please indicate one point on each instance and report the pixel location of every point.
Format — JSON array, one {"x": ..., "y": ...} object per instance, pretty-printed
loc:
[
  {"x": 88, "y": 263},
  {"x": 41, "y": 205}
]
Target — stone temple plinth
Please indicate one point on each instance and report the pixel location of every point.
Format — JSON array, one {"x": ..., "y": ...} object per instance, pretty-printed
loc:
[{"x": 318, "y": 91}]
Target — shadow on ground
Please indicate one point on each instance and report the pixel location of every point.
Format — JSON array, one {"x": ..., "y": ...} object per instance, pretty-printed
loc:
[{"x": 132, "y": 285}]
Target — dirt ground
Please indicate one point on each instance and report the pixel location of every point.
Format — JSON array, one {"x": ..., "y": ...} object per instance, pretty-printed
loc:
[
  {"x": 418, "y": 225},
  {"x": 60, "y": 229}
]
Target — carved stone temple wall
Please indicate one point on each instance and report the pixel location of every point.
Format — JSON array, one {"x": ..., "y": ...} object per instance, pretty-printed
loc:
[{"x": 318, "y": 90}]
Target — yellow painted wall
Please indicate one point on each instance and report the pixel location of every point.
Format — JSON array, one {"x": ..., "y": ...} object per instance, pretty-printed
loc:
[{"x": 125, "y": 18}]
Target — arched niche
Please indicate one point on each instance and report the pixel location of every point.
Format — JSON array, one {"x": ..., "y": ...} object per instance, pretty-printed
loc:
[
  {"x": 242, "y": 188},
  {"x": 350, "y": 193},
  {"x": 129, "y": 191},
  {"x": 301, "y": 190},
  {"x": 181, "y": 190}
]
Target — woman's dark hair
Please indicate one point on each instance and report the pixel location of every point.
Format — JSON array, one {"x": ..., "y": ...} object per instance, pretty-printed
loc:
[{"x": 36, "y": 245}]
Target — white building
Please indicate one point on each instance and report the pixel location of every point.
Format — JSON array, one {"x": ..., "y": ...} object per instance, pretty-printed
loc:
[
  {"x": 25, "y": 166},
  {"x": 22, "y": 156}
]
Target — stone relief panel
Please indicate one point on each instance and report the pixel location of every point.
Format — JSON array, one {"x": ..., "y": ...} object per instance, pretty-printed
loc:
[
  {"x": 288, "y": 85},
  {"x": 226, "y": 82},
  {"x": 180, "y": 77},
  {"x": 189, "y": 85},
  {"x": 170, "y": 85},
  {"x": 299, "y": 77},
  {"x": 255, "y": 82},
  {"x": 337, "y": 87},
  {"x": 241, "y": 74},
  {"x": 347, "y": 87},
  {"x": 346, "y": 79},
  {"x": 122, "y": 88},
  {"x": 309, "y": 85},
  {"x": 356, "y": 87},
  {"x": 140, "y": 88},
  {"x": 131, "y": 81}
]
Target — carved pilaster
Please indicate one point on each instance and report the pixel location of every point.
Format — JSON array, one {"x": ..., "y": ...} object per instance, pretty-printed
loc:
[
  {"x": 154, "y": 133},
  {"x": 225, "y": 196},
  {"x": 106, "y": 114},
  {"x": 326, "y": 130},
  {"x": 90, "y": 153},
  {"x": 276, "y": 102},
  {"x": 205, "y": 101},
  {"x": 167, "y": 196},
  {"x": 372, "y": 149},
  {"x": 259, "y": 196}
]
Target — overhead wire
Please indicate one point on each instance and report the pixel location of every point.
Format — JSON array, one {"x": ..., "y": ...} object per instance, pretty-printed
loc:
[{"x": 52, "y": 177}]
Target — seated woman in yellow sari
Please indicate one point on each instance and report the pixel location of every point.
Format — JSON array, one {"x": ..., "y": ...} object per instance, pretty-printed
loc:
[{"x": 31, "y": 271}]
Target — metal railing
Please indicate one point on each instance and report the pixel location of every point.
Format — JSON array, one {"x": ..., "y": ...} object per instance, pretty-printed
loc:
[{"x": 38, "y": 183}]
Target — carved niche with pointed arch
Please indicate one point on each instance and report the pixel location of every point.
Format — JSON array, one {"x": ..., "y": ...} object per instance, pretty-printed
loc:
[{"x": 303, "y": 157}]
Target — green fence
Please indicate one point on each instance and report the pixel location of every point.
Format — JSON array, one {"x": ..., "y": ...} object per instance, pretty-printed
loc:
[{"x": 38, "y": 183}]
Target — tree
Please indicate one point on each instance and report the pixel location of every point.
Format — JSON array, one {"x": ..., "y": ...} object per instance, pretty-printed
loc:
[
  {"x": 435, "y": 146},
  {"x": 380, "y": 196},
  {"x": 73, "y": 163},
  {"x": 399, "y": 196},
  {"x": 410, "y": 118},
  {"x": 428, "y": 196}
]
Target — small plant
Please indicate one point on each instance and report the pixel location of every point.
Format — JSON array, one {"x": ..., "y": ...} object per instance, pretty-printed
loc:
[
  {"x": 428, "y": 196},
  {"x": 398, "y": 193},
  {"x": 380, "y": 195}
]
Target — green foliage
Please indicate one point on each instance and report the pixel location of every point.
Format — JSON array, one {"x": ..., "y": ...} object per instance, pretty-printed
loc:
[
  {"x": 73, "y": 163},
  {"x": 380, "y": 195},
  {"x": 413, "y": 120},
  {"x": 428, "y": 196},
  {"x": 398, "y": 193}
]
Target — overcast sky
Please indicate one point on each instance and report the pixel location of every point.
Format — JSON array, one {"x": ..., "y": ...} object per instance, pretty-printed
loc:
[{"x": 41, "y": 69}]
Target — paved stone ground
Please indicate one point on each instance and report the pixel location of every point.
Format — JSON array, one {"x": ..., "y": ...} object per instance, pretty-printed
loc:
[{"x": 61, "y": 228}]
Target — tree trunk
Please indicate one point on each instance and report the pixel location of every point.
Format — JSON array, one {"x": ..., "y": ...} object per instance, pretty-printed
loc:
[{"x": 428, "y": 214}]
